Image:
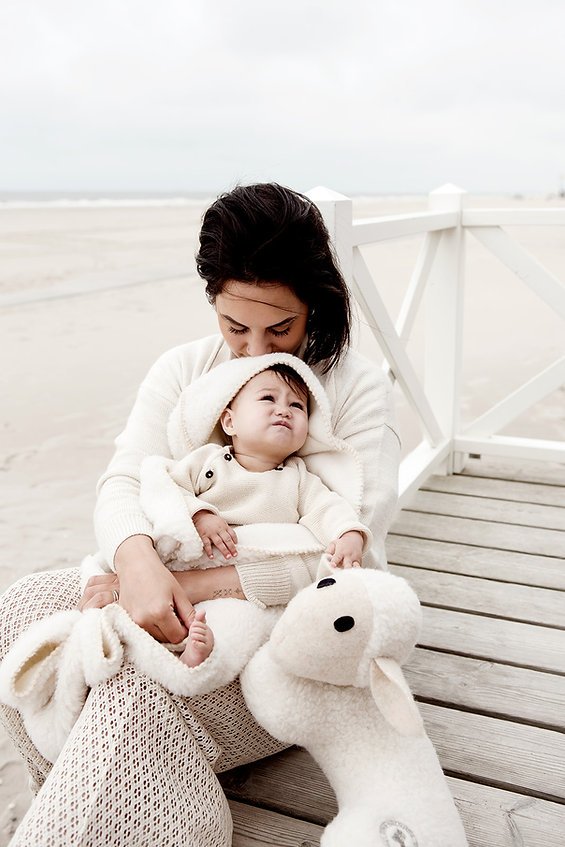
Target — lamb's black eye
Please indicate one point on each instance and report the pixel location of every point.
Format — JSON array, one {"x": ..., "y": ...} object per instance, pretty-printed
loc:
[
  {"x": 344, "y": 624},
  {"x": 323, "y": 583}
]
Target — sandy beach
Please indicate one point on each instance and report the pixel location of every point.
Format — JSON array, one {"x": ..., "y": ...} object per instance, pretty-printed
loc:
[{"x": 89, "y": 297}]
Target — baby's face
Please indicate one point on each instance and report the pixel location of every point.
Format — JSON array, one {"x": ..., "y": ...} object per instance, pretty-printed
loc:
[{"x": 268, "y": 416}]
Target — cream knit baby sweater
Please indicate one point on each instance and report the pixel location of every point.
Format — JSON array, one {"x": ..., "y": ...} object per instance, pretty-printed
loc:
[
  {"x": 211, "y": 478},
  {"x": 357, "y": 410}
]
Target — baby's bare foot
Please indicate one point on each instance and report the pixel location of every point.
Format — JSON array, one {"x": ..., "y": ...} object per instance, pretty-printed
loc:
[{"x": 200, "y": 642}]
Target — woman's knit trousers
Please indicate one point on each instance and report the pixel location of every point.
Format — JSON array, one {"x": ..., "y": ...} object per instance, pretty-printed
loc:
[{"x": 138, "y": 769}]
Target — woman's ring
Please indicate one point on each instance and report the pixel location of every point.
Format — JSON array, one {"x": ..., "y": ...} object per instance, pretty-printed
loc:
[{"x": 115, "y": 595}]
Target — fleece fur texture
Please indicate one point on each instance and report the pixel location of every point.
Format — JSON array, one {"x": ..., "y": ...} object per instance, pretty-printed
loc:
[{"x": 329, "y": 680}]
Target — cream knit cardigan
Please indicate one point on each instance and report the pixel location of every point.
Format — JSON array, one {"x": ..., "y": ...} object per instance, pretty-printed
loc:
[
  {"x": 360, "y": 464},
  {"x": 210, "y": 478}
]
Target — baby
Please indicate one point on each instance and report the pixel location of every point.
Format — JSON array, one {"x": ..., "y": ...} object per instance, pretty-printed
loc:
[{"x": 257, "y": 478}]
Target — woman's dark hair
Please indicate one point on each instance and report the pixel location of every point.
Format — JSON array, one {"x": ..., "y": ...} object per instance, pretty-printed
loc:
[{"x": 266, "y": 233}]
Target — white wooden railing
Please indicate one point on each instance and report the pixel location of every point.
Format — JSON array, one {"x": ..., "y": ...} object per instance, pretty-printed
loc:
[{"x": 439, "y": 271}]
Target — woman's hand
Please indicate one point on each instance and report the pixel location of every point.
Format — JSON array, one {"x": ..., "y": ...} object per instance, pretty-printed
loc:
[
  {"x": 100, "y": 591},
  {"x": 149, "y": 592}
]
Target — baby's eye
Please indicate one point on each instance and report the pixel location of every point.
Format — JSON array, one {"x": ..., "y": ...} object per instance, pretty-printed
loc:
[
  {"x": 268, "y": 397},
  {"x": 298, "y": 405}
]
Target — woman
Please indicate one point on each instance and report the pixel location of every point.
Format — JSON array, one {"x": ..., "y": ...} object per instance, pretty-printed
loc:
[{"x": 140, "y": 764}]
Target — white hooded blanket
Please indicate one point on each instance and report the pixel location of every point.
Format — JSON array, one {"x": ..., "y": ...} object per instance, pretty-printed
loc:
[{"x": 50, "y": 668}]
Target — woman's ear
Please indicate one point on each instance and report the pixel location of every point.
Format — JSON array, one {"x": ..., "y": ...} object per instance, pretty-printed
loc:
[{"x": 226, "y": 421}]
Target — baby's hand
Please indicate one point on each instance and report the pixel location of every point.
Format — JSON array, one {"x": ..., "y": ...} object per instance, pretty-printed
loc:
[
  {"x": 214, "y": 531},
  {"x": 347, "y": 551}
]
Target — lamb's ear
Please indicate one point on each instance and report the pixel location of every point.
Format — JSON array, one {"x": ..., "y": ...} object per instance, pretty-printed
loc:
[
  {"x": 324, "y": 567},
  {"x": 394, "y": 698}
]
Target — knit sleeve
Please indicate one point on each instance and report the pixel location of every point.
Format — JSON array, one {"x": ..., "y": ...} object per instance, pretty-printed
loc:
[
  {"x": 325, "y": 513},
  {"x": 274, "y": 581},
  {"x": 118, "y": 513},
  {"x": 364, "y": 418},
  {"x": 185, "y": 474},
  {"x": 168, "y": 495}
]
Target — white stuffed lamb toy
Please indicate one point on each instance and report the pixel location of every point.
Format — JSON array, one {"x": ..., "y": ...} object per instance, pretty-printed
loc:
[{"x": 329, "y": 680}]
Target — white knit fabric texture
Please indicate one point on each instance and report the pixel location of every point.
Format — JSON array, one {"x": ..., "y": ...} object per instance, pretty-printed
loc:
[{"x": 139, "y": 767}]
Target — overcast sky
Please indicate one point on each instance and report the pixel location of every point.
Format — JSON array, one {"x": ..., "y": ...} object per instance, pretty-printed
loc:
[{"x": 364, "y": 96}]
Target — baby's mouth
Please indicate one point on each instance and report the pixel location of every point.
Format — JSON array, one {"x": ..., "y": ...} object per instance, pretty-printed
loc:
[{"x": 282, "y": 423}]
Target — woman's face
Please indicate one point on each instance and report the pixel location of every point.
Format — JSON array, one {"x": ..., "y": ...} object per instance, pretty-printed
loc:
[{"x": 258, "y": 319}]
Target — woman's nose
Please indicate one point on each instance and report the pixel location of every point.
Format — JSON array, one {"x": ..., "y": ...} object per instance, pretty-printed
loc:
[{"x": 257, "y": 346}]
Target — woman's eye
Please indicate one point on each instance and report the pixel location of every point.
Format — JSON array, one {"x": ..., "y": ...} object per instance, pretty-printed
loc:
[
  {"x": 237, "y": 331},
  {"x": 280, "y": 332}
]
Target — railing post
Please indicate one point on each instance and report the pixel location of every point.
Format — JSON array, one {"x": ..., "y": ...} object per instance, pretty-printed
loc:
[
  {"x": 444, "y": 324},
  {"x": 337, "y": 212}
]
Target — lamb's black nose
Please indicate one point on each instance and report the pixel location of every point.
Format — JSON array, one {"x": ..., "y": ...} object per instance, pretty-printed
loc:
[
  {"x": 344, "y": 623},
  {"x": 323, "y": 583}
]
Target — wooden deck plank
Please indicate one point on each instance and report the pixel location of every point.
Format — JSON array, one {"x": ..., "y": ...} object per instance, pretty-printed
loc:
[
  {"x": 505, "y": 691},
  {"x": 471, "y": 594},
  {"x": 541, "y": 473},
  {"x": 291, "y": 783},
  {"x": 513, "y": 756},
  {"x": 543, "y": 542},
  {"x": 508, "y": 755},
  {"x": 493, "y": 817},
  {"x": 501, "y": 489},
  {"x": 502, "y": 565},
  {"x": 525, "y": 645},
  {"x": 490, "y": 509},
  {"x": 254, "y": 827}
]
